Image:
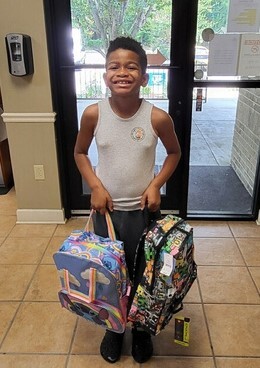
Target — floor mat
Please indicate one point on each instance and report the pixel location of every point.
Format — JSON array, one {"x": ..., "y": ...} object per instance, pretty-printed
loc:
[
  {"x": 4, "y": 190},
  {"x": 217, "y": 189}
]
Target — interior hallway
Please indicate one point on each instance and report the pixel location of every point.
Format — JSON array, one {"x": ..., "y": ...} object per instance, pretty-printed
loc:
[{"x": 223, "y": 304}]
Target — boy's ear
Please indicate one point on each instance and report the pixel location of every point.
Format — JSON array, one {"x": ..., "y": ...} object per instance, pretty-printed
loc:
[{"x": 145, "y": 80}]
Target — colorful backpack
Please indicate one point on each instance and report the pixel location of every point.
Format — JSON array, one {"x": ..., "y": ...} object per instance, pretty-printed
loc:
[
  {"x": 170, "y": 271},
  {"x": 94, "y": 277}
]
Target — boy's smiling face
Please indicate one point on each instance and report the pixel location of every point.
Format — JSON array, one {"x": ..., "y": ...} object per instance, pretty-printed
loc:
[{"x": 124, "y": 75}]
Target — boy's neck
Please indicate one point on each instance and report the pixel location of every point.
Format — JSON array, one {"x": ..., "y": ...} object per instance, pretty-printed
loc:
[{"x": 125, "y": 107}]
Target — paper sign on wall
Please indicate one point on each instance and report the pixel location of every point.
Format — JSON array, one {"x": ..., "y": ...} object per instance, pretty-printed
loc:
[
  {"x": 249, "y": 58},
  {"x": 234, "y": 54},
  {"x": 244, "y": 16},
  {"x": 223, "y": 54}
]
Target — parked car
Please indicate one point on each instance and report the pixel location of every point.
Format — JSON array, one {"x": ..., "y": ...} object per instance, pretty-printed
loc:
[{"x": 201, "y": 57}]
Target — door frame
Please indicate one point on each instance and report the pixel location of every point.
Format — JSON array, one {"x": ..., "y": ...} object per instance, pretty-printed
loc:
[
  {"x": 184, "y": 23},
  {"x": 256, "y": 191},
  {"x": 58, "y": 25},
  {"x": 181, "y": 77}
]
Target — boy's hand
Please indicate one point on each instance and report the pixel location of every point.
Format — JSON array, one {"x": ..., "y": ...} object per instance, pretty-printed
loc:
[
  {"x": 152, "y": 198},
  {"x": 101, "y": 200}
]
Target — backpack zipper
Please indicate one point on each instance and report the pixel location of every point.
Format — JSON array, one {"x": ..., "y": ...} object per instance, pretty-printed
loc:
[{"x": 160, "y": 245}]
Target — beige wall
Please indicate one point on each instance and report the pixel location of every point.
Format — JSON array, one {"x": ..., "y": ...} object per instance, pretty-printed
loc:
[{"x": 28, "y": 110}]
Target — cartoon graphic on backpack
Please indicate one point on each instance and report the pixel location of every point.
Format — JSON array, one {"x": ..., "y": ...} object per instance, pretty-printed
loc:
[
  {"x": 169, "y": 273},
  {"x": 94, "y": 278}
]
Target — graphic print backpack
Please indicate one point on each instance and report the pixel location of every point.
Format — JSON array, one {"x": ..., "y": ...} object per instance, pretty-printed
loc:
[
  {"x": 94, "y": 277},
  {"x": 170, "y": 271}
]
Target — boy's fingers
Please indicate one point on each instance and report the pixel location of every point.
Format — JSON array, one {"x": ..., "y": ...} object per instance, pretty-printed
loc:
[
  {"x": 153, "y": 208},
  {"x": 143, "y": 202},
  {"x": 110, "y": 205}
]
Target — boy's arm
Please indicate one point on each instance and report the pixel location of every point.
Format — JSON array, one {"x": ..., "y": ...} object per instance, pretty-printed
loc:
[
  {"x": 164, "y": 128},
  {"x": 100, "y": 198}
]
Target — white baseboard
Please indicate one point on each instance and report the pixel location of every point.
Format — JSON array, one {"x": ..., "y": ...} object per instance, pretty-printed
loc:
[
  {"x": 27, "y": 216},
  {"x": 258, "y": 220}
]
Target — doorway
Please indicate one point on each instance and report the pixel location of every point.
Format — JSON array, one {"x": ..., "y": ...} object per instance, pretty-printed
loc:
[
  {"x": 224, "y": 155},
  {"x": 188, "y": 94},
  {"x": 79, "y": 78}
]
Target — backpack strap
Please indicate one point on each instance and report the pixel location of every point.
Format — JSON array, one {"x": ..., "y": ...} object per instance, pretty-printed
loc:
[
  {"x": 92, "y": 285},
  {"x": 150, "y": 218},
  {"x": 110, "y": 226},
  {"x": 139, "y": 260}
]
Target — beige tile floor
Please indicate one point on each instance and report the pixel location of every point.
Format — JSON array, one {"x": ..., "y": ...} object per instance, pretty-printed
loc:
[{"x": 223, "y": 304}]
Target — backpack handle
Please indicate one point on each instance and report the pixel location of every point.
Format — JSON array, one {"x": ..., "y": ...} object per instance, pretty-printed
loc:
[
  {"x": 110, "y": 226},
  {"x": 92, "y": 285}
]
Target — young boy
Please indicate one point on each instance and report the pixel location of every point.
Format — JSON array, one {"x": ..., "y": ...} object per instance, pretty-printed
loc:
[{"x": 126, "y": 129}]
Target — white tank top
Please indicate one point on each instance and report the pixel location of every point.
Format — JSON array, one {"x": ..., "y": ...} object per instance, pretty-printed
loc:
[{"x": 126, "y": 154}]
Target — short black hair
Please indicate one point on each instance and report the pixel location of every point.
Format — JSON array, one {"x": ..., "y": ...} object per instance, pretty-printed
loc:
[{"x": 128, "y": 43}]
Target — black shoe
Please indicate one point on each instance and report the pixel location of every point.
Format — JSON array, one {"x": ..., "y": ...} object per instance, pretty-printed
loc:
[
  {"x": 142, "y": 346},
  {"x": 111, "y": 346}
]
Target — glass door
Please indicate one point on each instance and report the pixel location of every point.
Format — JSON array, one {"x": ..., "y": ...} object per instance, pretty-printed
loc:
[
  {"x": 82, "y": 32},
  {"x": 93, "y": 26},
  {"x": 225, "y": 137}
]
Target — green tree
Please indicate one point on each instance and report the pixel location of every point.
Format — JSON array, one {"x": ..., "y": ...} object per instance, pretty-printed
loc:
[
  {"x": 103, "y": 20},
  {"x": 149, "y": 21},
  {"x": 212, "y": 14}
]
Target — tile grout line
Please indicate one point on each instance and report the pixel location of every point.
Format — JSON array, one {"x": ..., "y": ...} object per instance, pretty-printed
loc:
[
  {"x": 7, "y": 234},
  {"x": 35, "y": 271},
  {"x": 207, "y": 325},
  {"x": 11, "y": 322},
  {"x": 246, "y": 265},
  {"x": 22, "y": 301},
  {"x": 19, "y": 305},
  {"x": 71, "y": 343},
  {"x": 68, "y": 355},
  {"x": 202, "y": 302},
  {"x": 206, "y": 320}
]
